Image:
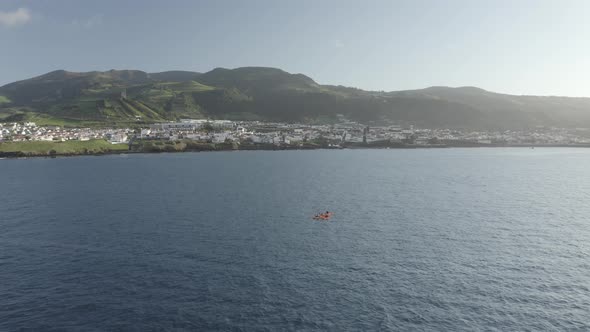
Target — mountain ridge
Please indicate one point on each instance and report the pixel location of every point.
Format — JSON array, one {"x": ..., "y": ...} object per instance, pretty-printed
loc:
[{"x": 119, "y": 97}]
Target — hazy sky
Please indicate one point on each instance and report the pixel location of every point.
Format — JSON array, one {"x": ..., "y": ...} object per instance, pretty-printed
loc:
[{"x": 520, "y": 47}]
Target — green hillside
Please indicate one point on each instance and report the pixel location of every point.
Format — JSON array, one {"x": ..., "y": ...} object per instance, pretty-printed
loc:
[
  {"x": 128, "y": 97},
  {"x": 94, "y": 98}
]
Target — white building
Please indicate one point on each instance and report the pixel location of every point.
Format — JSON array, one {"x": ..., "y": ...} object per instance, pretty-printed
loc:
[
  {"x": 221, "y": 137},
  {"x": 145, "y": 133},
  {"x": 118, "y": 138}
]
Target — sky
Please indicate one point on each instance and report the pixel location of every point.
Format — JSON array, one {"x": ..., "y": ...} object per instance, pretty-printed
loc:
[{"x": 533, "y": 47}]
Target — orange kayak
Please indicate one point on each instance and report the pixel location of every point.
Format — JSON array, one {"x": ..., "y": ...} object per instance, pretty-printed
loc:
[{"x": 323, "y": 216}]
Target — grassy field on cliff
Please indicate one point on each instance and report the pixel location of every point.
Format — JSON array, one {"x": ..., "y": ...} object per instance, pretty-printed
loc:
[{"x": 67, "y": 147}]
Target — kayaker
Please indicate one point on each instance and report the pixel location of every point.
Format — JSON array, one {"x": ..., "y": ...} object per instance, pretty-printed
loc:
[{"x": 323, "y": 216}]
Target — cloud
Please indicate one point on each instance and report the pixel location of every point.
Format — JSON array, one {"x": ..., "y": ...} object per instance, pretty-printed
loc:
[
  {"x": 89, "y": 22},
  {"x": 337, "y": 43},
  {"x": 93, "y": 21},
  {"x": 17, "y": 17}
]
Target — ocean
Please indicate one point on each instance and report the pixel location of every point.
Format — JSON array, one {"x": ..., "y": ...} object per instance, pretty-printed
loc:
[{"x": 424, "y": 239}]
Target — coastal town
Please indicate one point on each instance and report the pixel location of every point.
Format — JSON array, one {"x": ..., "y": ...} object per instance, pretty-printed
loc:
[{"x": 344, "y": 134}]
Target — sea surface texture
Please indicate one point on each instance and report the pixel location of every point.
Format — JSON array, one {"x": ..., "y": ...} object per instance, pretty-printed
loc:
[{"x": 425, "y": 239}]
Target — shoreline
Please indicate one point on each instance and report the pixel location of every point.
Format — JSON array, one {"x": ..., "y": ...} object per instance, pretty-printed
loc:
[{"x": 27, "y": 155}]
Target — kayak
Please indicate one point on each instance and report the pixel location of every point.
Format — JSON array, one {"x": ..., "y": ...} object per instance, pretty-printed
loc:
[{"x": 323, "y": 216}]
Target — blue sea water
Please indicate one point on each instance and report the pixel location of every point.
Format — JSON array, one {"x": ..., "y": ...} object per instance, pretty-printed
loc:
[{"x": 429, "y": 240}]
